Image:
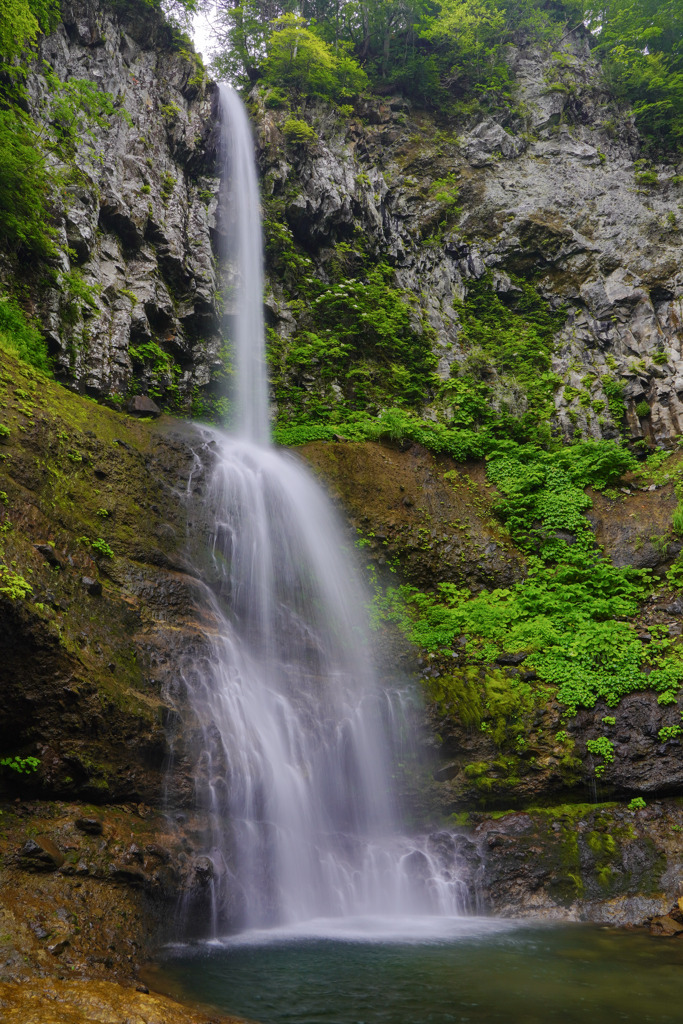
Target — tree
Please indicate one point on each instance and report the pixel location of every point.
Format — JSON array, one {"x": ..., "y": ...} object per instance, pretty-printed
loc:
[
  {"x": 20, "y": 23},
  {"x": 301, "y": 60},
  {"x": 641, "y": 42}
]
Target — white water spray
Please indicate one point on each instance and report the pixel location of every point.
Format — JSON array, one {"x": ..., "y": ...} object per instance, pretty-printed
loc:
[{"x": 297, "y": 736}]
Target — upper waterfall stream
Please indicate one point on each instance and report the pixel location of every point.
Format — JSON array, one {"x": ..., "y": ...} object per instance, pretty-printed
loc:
[{"x": 297, "y": 735}]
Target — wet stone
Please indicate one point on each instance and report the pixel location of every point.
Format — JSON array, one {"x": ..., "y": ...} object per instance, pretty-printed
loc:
[
  {"x": 141, "y": 405},
  {"x": 58, "y": 947},
  {"x": 49, "y": 554},
  {"x": 93, "y": 587},
  {"x": 203, "y": 868},
  {"x": 91, "y": 826},
  {"x": 40, "y": 854}
]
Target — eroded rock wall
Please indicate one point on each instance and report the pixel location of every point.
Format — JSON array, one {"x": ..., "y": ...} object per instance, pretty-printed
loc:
[
  {"x": 559, "y": 199},
  {"x": 135, "y": 217}
]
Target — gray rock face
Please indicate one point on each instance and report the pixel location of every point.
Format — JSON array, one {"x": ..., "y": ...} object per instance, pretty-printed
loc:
[
  {"x": 565, "y": 204},
  {"x": 137, "y": 211}
]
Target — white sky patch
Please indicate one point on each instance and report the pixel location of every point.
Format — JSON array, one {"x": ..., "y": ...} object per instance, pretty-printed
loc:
[{"x": 204, "y": 34}]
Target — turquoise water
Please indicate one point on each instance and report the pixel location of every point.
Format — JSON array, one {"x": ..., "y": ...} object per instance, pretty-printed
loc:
[{"x": 479, "y": 972}]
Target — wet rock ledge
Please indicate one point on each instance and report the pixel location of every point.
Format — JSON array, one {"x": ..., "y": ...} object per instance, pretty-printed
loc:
[
  {"x": 61, "y": 1001},
  {"x": 88, "y": 893}
]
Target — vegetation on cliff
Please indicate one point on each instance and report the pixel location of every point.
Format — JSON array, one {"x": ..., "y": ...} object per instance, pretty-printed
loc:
[
  {"x": 360, "y": 361},
  {"x": 454, "y": 54}
]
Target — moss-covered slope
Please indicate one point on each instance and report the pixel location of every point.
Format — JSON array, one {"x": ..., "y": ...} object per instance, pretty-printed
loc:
[{"x": 95, "y": 598}]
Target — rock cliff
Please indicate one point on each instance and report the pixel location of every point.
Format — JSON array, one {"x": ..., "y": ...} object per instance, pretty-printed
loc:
[
  {"x": 134, "y": 217},
  {"x": 561, "y": 199}
]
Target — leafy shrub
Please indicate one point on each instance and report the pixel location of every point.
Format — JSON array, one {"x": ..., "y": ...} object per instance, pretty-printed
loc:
[
  {"x": 13, "y": 585},
  {"x": 21, "y": 765},
  {"x": 445, "y": 192},
  {"x": 603, "y": 748},
  {"x": 102, "y": 548},
  {"x": 568, "y": 615},
  {"x": 642, "y": 410},
  {"x": 636, "y": 804},
  {"x": 301, "y": 60},
  {"x": 276, "y": 98},
  {"x": 614, "y": 390},
  {"x": 25, "y": 184},
  {"x": 298, "y": 132},
  {"x": 168, "y": 184},
  {"x": 364, "y": 342},
  {"x": 669, "y": 732}
]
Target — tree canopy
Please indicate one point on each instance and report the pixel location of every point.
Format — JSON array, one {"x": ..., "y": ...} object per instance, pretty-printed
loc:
[{"x": 446, "y": 51}]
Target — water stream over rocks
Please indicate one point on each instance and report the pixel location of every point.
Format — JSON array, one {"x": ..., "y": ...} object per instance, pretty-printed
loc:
[{"x": 297, "y": 736}]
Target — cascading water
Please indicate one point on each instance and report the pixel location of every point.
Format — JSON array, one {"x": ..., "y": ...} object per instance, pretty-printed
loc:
[{"x": 296, "y": 735}]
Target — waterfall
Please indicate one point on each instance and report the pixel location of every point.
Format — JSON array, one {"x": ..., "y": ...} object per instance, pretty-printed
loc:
[
  {"x": 243, "y": 257},
  {"x": 296, "y": 735}
]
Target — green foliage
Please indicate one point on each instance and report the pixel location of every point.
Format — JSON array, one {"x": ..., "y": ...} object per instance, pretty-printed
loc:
[
  {"x": 79, "y": 296},
  {"x": 298, "y": 59},
  {"x": 677, "y": 520},
  {"x": 21, "y": 22},
  {"x": 276, "y": 99},
  {"x": 454, "y": 54},
  {"x": 569, "y": 616},
  {"x": 436, "y": 53},
  {"x": 25, "y": 184},
  {"x": 298, "y": 132},
  {"x": 168, "y": 184},
  {"x": 614, "y": 389},
  {"x": 29, "y": 184},
  {"x": 4, "y": 431},
  {"x": 669, "y": 732},
  {"x": 636, "y": 804},
  {"x": 21, "y": 765},
  {"x": 369, "y": 349},
  {"x": 640, "y": 42},
  {"x": 642, "y": 410},
  {"x": 102, "y": 548},
  {"x": 393, "y": 424},
  {"x": 74, "y": 109},
  {"x": 360, "y": 339},
  {"x": 543, "y": 491},
  {"x": 563, "y": 617},
  {"x": 155, "y": 372},
  {"x": 445, "y": 192},
  {"x": 515, "y": 338},
  {"x": 20, "y": 337},
  {"x": 604, "y": 748},
  {"x": 170, "y": 112},
  {"x": 13, "y": 585}
]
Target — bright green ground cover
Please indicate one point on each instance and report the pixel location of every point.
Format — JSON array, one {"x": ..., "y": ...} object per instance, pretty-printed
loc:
[{"x": 571, "y": 613}]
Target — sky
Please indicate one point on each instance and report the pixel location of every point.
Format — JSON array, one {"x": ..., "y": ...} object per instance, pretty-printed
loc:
[{"x": 202, "y": 33}]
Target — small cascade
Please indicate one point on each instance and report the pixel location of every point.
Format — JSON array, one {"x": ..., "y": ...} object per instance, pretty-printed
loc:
[{"x": 297, "y": 737}]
